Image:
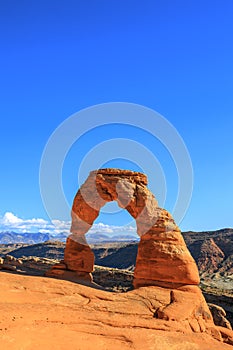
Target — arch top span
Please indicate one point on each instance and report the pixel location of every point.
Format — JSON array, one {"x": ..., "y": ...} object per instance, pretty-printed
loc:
[
  {"x": 126, "y": 187},
  {"x": 129, "y": 174}
]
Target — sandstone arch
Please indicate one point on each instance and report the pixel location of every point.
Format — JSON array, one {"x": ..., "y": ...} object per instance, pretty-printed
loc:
[{"x": 163, "y": 258}]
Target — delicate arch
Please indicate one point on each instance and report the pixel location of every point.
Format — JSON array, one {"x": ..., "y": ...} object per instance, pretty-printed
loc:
[{"x": 163, "y": 258}]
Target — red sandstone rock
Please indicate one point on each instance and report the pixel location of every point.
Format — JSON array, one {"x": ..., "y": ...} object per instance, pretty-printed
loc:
[
  {"x": 78, "y": 255},
  {"x": 163, "y": 258}
]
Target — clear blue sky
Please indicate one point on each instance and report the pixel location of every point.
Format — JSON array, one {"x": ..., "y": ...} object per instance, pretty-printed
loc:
[{"x": 58, "y": 57}]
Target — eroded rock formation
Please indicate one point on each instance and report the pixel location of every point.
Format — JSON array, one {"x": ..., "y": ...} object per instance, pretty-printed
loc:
[
  {"x": 164, "y": 266},
  {"x": 163, "y": 258}
]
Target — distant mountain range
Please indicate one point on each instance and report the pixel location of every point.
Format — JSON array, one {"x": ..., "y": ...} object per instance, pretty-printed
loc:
[
  {"x": 220, "y": 237},
  {"x": 11, "y": 237}
]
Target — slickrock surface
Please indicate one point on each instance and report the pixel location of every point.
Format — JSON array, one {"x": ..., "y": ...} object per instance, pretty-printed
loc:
[
  {"x": 43, "y": 313},
  {"x": 163, "y": 258}
]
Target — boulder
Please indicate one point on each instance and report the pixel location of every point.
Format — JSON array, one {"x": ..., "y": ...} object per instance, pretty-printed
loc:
[{"x": 219, "y": 316}]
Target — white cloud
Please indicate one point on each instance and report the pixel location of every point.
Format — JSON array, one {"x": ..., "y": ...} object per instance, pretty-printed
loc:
[
  {"x": 10, "y": 222},
  {"x": 10, "y": 219},
  {"x": 61, "y": 226}
]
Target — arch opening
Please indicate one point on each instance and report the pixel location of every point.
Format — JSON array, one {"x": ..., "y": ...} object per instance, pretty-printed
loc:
[{"x": 112, "y": 215}]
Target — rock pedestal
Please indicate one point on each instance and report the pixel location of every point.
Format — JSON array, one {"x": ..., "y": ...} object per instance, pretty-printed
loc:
[
  {"x": 78, "y": 261},
  {"x": 163, "y": 258}
]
